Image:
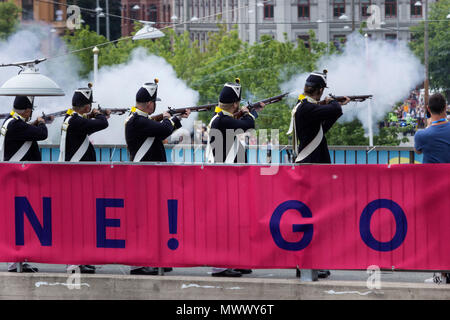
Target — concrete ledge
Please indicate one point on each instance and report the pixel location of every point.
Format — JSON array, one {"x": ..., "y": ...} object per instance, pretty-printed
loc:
[{"x": 127, "y": 287}]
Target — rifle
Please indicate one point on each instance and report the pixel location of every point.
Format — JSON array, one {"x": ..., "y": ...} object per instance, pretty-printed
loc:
[
  {"x": 173, "y": 112},
  {"x": 352, "y": 98},
  {"x": 118, "y": 111},
  {"x": 49, "y": 118},
  {"x": 257, "y": 105}
]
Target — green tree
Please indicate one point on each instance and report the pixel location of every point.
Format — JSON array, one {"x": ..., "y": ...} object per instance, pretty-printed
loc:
[
  {"x": 261, "y": 67},
  {"x": 347, "y": 134},
  {"x": 439, "y": 45},
  {"x": 9, "y": 18},
  {"x": 82, "y": 42}
]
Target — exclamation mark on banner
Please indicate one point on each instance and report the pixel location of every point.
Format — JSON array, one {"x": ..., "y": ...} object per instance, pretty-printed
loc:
[{"x": 172, "y": 206}]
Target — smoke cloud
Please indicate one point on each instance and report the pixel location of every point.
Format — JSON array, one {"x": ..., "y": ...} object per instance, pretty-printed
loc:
[
  {"x": 116, "y": 88},
  {"x": 388, "y": 71}
]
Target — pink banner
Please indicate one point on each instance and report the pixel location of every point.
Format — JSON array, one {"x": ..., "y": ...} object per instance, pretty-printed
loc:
[{"x": 314, "y": 217}]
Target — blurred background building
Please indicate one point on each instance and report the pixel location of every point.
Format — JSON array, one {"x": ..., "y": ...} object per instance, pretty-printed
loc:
[
  {"x": 49, "y": 12},
  {"x": 331, "y": 20}
]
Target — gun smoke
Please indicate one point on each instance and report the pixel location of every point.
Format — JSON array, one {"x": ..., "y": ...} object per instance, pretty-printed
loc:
[
  {"x": 388, "y": 71},
  {"x": 116, "y": 88}
]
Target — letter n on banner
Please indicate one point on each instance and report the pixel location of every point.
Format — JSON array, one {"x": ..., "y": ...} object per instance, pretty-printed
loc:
[{"x": 44, "y": 231}]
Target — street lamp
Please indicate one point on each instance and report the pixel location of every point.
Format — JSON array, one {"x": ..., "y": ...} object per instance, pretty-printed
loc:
[
  {"x": 95, "y": 51},
  {"x": 148, "y": 32},
  {"x": 98, "y": 14},
  {"x": 425, "y": 38},
  {"x": 29, "y": 82}
]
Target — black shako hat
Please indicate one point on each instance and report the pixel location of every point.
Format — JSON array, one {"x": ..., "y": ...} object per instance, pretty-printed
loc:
[
  {"x": 231, "y": 92},
  {"x": 82, "y": 96},
  {"x": 317, "y": 80},
  {"x": 23, "y": 102},
  {"x": 148, "y": 92}
]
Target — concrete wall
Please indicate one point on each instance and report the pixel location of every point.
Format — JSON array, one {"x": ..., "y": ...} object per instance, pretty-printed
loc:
[{"x": 55, "y": 286}]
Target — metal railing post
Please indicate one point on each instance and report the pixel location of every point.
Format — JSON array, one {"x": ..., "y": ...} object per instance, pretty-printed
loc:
[{"x": 309, "y": 275}]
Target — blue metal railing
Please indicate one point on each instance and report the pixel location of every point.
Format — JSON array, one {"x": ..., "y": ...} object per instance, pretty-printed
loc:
[{"x": 260, "y": 154}]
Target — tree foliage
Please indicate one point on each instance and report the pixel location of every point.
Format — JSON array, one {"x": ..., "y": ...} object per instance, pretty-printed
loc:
[
  {"x": 438, "y": 43},
  {"x": 9, "y": 18},
  {"x": 261, "y": 68}
]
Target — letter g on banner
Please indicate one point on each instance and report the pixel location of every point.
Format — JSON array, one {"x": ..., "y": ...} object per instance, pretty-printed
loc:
[
  {"x": 306, "y": 228},
  {"x": 400, "y": 221}
]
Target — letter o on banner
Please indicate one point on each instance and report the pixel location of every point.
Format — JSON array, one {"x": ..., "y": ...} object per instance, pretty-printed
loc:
[
  {"x": 400, "y": 221},
  {"x": 306, "y": 228}
]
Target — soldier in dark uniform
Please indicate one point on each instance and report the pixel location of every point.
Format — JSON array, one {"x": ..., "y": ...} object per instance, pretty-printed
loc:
[
  {"x": 310, "y": 121},
  {"x": 78, "y": 124},
  {"x": 20, "y": 137},
  {"x": 223, "y": 127},
  {"x": 19, "y": 143},
  {"x": 224, "y": 146},
  {"x": 75, "y": 146},
  {"x": 145, "y": 137}
]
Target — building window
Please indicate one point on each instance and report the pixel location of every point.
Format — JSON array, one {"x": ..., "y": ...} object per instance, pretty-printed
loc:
[
  {"x": 390, "y": 8},
  {"x": 57, "y": 12},
  {"x": 305, "y": 40},
  {"x": 27, "y": 10},
  {"x": 133, "y": 12},
  {"x": 303, "y": 9},
  {"x": 365, "y": 4},
  {"x": 153, "y": 13},
  {"x": 268, "y": 11},
  {"x": 416, "y": 11},
  {"x": 390, "y": 37},
  {"x": 338, "y": 8},
  {"x": 168, "y": 13}
]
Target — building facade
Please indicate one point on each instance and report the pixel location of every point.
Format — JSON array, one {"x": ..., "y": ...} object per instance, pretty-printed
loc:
[
  {"x": 331, "y": 20},
  {"x": 47, "y": 12},
  {"x": 146, "y": 10}
]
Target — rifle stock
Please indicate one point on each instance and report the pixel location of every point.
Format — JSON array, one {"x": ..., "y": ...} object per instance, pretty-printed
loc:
[
  {"x": 352, "y": 98},
  {"x": 257, "y": 105},
  {"x": 180, "y": 111},
  {"x": 118, "y": 111}
]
